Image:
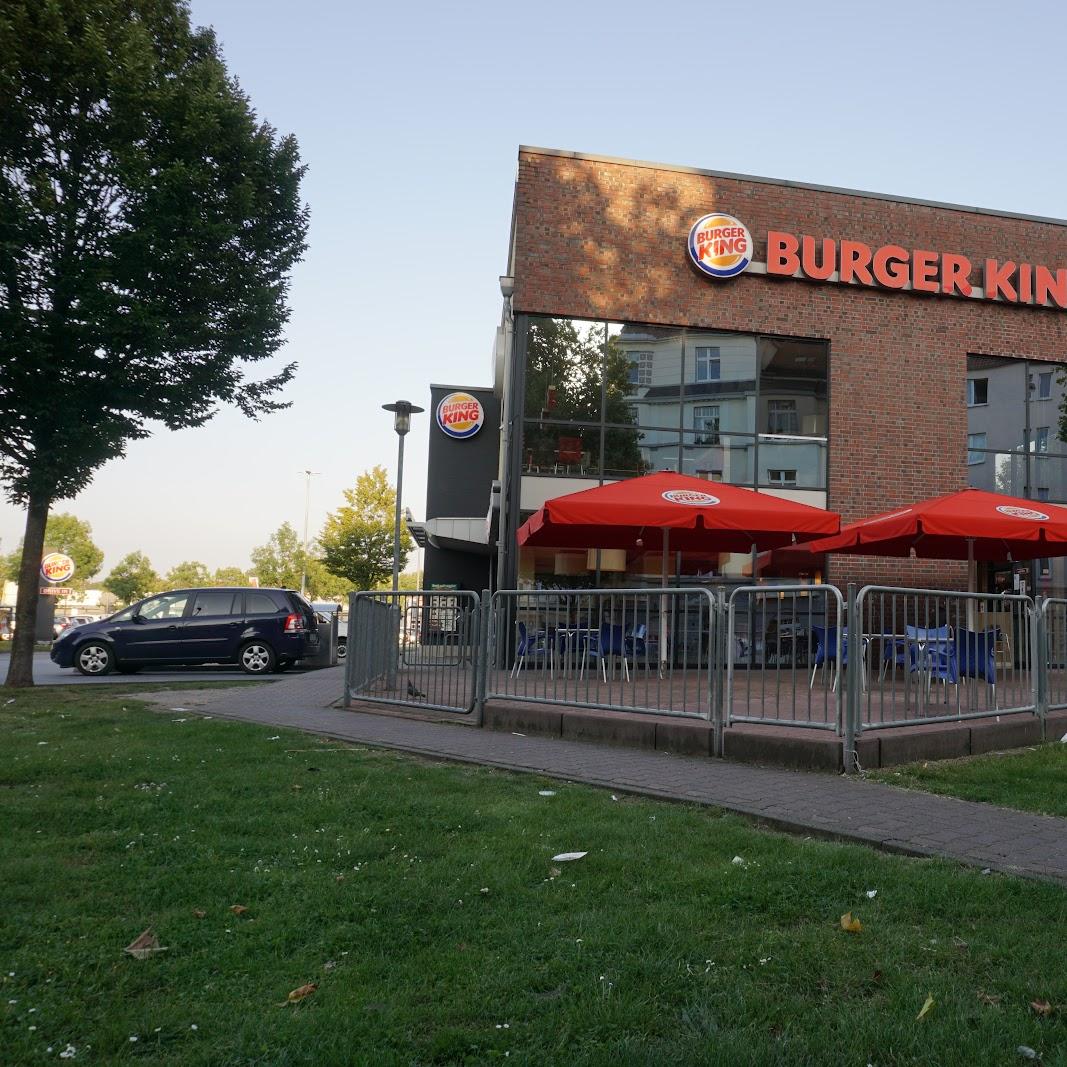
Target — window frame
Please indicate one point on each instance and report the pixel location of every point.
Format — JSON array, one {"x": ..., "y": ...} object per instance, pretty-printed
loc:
[
  {"x": 976, "y": 449},
  {"x": 703, "y": 361},
  {"x": 971, "y": 392}
]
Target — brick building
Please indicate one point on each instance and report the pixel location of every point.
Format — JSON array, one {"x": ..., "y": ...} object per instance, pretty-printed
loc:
[{"x": 853, "y": 350}]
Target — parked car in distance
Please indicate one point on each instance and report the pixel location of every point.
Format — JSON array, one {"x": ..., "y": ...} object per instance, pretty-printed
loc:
[
  {"x": 261, "y": 630},
  {"x": 328, "y": 608},
  {"x": 59, "y": 624}
]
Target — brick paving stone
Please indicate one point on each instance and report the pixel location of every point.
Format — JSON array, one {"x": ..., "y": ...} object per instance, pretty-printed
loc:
[{"x": 843, "y": 807}]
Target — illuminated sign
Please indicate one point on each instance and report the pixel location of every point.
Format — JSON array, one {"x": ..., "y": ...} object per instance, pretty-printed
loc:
[
  {"x": 720, "y": 246},
  {"x": 57, "y": 567},
  {"x": 460, "y": 415},
  {"x": 691, "y": 497}
]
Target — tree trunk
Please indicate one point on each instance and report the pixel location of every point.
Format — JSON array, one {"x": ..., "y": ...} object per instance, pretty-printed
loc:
[{"x": 20, "y": 669}]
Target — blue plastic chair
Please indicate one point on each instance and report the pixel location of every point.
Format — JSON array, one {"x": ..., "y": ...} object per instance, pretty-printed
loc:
[
  {"x": 530, "y": 646},
  {"x": 932, "y": 651},
  {"x": 976, "y": 656},
  {"x": 826, "y": 651},
  {"x": 610, "y": 641},
  {"x": 636, "y": 642}
]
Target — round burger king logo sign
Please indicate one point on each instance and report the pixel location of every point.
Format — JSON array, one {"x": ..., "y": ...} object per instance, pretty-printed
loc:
[
  {"x": 720, "y": 245},
  {"x": 1022, "y": 513},
  {"x": 691, "y": 497},
  {"x": 460, "y": 415},
  {"x": 57, "y": 567}
]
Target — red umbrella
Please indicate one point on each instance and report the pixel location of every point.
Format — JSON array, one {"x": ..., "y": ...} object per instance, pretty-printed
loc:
[
  {"x": 665, "y": 509},
  {"x": 971, "y": 524}
]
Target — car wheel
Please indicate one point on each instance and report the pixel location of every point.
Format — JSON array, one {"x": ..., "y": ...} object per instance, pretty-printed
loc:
[
  {"x": 127, "y": 668},
  {"x": 94, "y": 658},
  {"x": 342, "y": 650},
  {"x": 256, "y": 657}
]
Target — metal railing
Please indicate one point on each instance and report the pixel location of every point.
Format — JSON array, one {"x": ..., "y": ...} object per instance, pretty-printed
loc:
[
  {"x": 784, "y": 656},
  {"x": 1053, "y": 613},
  {"x": 414, "y": 649},
  {"x": 926, "y": 655},
  {"x": 632, "y": 650}
]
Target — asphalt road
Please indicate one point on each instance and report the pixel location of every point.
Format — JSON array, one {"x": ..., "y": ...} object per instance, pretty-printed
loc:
[{"x": 45, "y": 672}]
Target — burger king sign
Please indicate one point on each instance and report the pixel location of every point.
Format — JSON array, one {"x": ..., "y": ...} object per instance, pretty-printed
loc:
[
  {"x": 460, "y": 415},
  {"x": 720, "y": 246},
  {"x": 57, "y": 567}
]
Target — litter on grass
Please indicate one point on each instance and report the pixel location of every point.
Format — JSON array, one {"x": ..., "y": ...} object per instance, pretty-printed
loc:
[
  {"x": 872, "y": 893},
  {"x": 927, "y": 1007},
  {"x": 144, "y": 945},
  {"x": 546, "y": 792},
  {"x": 566, "y": 857},
  {"x": 851, "y": 925}
]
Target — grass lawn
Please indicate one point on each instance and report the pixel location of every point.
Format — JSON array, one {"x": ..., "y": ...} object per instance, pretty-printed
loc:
[
  {"x": 1033, "y": 779},
  {"x": 424, "y": 902}
]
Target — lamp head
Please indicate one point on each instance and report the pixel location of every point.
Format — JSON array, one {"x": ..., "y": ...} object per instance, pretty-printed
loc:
[{"x": 402, "y": 411}]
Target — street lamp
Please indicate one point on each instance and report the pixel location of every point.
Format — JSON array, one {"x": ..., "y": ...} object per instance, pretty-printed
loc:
[
  {"x": 402, "y": 411},
  {"x": 307, "y": 509}
]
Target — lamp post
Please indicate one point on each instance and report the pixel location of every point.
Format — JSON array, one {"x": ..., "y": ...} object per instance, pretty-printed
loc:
[
  {"x": 402, "y": 411},
  {"x": 307, "y": 509}
]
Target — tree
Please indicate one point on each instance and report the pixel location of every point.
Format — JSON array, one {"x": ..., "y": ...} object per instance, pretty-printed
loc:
[
  {"x": 149, "y": 222},
  {"x": 64, "y": 533},
  {"x": 357, "y": 540},
  {"x": 132, "y": 578},
  {"x": 190, "y": 574},
  {"x": 229, "y": 576},
  {"x": 280, "y": 563}
]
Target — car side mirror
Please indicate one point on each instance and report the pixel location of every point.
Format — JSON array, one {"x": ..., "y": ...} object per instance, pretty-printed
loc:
[{"x": 137, "y": 617}]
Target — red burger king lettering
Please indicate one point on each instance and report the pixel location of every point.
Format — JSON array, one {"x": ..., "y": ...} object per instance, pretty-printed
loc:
[
  {"x": 921, "y": 270},
  {"x": 460, "y": 415}
]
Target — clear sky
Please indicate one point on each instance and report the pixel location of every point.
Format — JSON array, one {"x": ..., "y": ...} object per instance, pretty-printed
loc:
[{"x": 410, "y": 116}]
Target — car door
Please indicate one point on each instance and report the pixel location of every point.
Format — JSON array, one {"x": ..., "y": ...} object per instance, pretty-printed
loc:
[
  {"x": 212, "y": 625},
  {"x": 154, "y": 631}
]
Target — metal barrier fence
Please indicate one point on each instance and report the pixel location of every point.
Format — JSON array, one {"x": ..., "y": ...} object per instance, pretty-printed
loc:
[
  {"x": 924, "y": 655},
  {"x": 1053, "y": 612},
  {"x": 784, "y": 656},
  {"x": 633, "y": 650},
  {"x": 414, "y": 649}
]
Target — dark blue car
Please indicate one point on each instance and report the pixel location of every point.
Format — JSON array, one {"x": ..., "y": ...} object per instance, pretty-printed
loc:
[{"x": 261, "y": 630}]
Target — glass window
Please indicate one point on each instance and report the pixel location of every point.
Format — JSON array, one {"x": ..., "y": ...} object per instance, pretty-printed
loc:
[
  {"x": 1043, "y": 492},
  {"x": 782, "y": 476},
  {"x": 975, "y": 440},
  {"x": 212, "y": 603},
  {"x": 706, "y": 424},
  {"x": 260, "y": 604},
  {"x": 977, "y": 391},
  {"x": 708, "y": 364},
  {"x": 1044, "y": 385},
  {"x": 640, "y": 368},
  {"x": 1041, "y": 439},
  {"x": 166, "y": 606},
  {"x": 782, "y": 417}
]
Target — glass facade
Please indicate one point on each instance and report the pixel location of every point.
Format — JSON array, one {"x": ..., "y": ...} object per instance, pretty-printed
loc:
[
  {"x": 1014, "y": 446},
  {"x": 605, "y": 401}
]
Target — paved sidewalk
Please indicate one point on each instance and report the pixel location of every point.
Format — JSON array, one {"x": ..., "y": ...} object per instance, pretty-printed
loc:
[{"x": 897, "y": 820}]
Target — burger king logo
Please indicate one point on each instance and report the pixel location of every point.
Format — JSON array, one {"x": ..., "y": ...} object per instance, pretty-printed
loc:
[
  {"x": 1022, "y": 513},
  {"x": 57, "y": 567},
  {"x": 691, "y": 497},
  {"x": 460, "y": 415},
  {"x": 720, "y": 246}
]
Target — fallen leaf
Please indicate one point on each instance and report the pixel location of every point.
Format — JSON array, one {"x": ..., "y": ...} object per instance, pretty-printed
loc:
[
  {"x": 300, "y": 993},
  {"x": 927, "y": 1007},
  {"x": 554, "y": 872},
  {"x": 238, "y": 909},
  {"x": 1041, "y": 1007},
  {"x": 145, "y": 945},
  {"x": 849, "y": 924},
  {"x": 339, "y": 878},
  {"x": 988, "y": 998},
  {"x": 567, "y": 857},
  {"x": 296, "y": 787},
  {"x": 200, "y": 913},
  {"x": 877, "y": 976}
]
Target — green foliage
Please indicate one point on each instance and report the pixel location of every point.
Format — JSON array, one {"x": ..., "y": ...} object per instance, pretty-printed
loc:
[
  {"x": 357, "y": 539},
  {"x": 229, "y": 576},
  {"x": 280, "y": 563},
  {"x": 422, "y": 900},
  {"x": 148, "y": 226},
  {"x": 574, "y": 361},
  {"x": 188, "y": 575},
  {"x": 63, "y": 533},
  {"x": 132, "y": 578}
]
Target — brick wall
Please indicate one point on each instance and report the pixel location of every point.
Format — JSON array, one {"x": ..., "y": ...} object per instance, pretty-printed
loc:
[{"x": 607, "y": 240}]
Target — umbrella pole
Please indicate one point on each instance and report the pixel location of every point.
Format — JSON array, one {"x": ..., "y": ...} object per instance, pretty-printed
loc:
[
  {"x": 972, "y": 582},
  {"x": 664, "y": 600}
]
